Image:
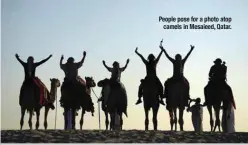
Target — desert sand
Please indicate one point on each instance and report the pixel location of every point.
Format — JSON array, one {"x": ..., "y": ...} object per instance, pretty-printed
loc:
[{"x": 125, "y": 136}]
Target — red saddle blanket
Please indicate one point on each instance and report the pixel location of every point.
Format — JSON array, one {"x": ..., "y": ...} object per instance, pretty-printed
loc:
[{"x": 43, "y": 91}]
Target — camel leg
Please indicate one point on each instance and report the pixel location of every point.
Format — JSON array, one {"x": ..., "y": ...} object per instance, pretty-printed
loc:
[
  {"x": 45, "y": 116},
  {"x": 30, "y": 119},
  {"x": 154, "y": 118},
  {"x": 37, "y": 110},
  {"x": 106, "y": 120},
  {"x": 121, "y": 121},
  {"x": 181, "y": 122},
  {"x": 82, "y": 119},
  {"x": 112, "y": 120},
  {"x": 22, "y": 117},
  {"x": 175, "y": 118},
  {"x": 146, "y": 119},
  {"x": 73, "y": 118},
  {"x": 171, "y": 119},
  {"x": 211, "y": 117},
  {"x": 217, "y": 114},
  {"x": 65, "y": 118}
]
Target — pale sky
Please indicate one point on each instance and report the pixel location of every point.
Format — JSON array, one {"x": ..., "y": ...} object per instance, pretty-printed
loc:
[{"x": 111, "y": 30}]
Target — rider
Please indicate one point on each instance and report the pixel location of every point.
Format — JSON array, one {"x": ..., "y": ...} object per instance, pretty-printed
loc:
[
  {"x": 151, "y": 66},
  {"x": 178, "y": 67},
  {"x": 217, "y": 76},
  {"x": 71, "y": 75},
  {"x": 115, "y": 72},
  {"x": 29, "y": 70}
]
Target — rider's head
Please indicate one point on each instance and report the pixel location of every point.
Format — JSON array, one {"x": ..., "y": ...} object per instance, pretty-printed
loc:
[
  {"x": 151, "y": 57},
  {"x": 218, "y": 61},
  {"x": 178, "y": 57},
  {"x": 70, "y": 60},
  {"x": 30, "y": 59},
  {"x": 116, "y": 64},
  {"x": 198, "y": 100}
]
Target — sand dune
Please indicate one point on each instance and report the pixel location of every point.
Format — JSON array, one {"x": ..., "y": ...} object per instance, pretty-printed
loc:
[{"x": 128, "y": 136}]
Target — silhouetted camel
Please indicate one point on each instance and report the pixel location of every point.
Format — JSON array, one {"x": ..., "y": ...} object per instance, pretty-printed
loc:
[
  {"x": 215, "y": 97},
  {"x": 177, "y": 99},
  {"x": 29, "y": 103},
  {"x": 151, "y": 100},
  {"x": 104, "y": 98},
  {"x": 87, "y": 104},
  {"x": 114, "y": 100}
]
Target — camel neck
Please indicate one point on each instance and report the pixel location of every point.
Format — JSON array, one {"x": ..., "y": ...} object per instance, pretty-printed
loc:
[{"x": 53, "y": 90}]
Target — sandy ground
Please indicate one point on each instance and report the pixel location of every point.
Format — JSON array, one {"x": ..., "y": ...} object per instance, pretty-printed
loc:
[{"x": 128, "y": 136}]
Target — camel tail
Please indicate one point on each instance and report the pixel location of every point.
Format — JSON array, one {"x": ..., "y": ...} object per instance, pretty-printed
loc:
[{"x": 126, "y": 113}]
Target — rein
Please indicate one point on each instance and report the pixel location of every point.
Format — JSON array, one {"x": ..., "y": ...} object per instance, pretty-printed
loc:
[{"x": 99, "y": 112}]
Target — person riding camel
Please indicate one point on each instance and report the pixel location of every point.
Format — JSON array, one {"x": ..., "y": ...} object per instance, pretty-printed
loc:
[
  {"x": 115, "y": 73},
  {"x": 73, "y": 81},
  {"x": 151, "y": 65},
  {"x": 217, "y": 77},
  {"x": 29, "y": 70},
  {"x": 178, "y": 68}
]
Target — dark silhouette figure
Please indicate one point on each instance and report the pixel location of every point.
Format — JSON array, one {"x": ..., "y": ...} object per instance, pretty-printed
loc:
[
  {"x": 217, "y": 91},
  {"x": 116, "y": 98},
  {"x": 72, "y": 90},
  {"x": 177, "y": 89},
  {"x": 87, "y": 104},
  {"x": 104, "y": 84},
  {"x": 33, "y": 94},
  {"x": 151, "y": 88},
  {"x": 197, "y": 114}
]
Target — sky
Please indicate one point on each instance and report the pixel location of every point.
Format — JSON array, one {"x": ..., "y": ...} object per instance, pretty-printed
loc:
[{"x": 110, "y": 30}]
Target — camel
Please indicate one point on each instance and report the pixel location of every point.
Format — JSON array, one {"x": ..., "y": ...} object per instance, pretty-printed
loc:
[
  {"x": 30, "y": 95},
  {"x": 214, "y": 98},
  {"x": 89, "y": 84},
  {"x": 151, "y": 100},
  {"x": 114, "y": 103},
  {"x": 103, "y": 99},
  {"x": 75, "y": 97},
  {"x": 177, "y": 99}
]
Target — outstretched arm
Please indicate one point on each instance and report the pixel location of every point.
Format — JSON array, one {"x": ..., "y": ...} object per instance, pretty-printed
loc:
[
  {"x": 157, "y": 59},
  {"x": 123, "y": 68},
  {"x": 43, "y": 61},
  {"x": 18, "y": 58},
  {"x": 166, "y": 54},
  {"x": 142, "y": 58},
  {"x": 108, "y": 68},
  {"x": 61, "y": 62},
  {"x": 79, "y": 64},
  {"x": 186, "y": 57}
]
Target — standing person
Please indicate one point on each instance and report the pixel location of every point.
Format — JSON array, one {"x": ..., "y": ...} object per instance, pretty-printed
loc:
[
  {"x": 228, "y": 118},
  {"x": 30, "y": 79},
  {"x": 197, "y": 115},
  {"x": 151, "y": 73}
]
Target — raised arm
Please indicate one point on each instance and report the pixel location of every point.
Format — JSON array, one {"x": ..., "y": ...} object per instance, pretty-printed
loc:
[
  {"x": 18, "y": 58},
  {"x": 159, "y": 55},
  {"x": 142, "y": 58},
  {"x": 123, "y": 68},
  {"x": 108, "y": 68},
  {"x": 43, "y": 61},
  {"x": 186, "y": 57},
  {"x": 166, "y": 54},
  {"x": 79, "y": 64},
  {"x": 61, "y": 62}
]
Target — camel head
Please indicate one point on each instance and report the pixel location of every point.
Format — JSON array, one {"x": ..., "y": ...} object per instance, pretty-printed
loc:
[
  {"x": 90, "y": 82},
  {"x": 55, "y": 82}
]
